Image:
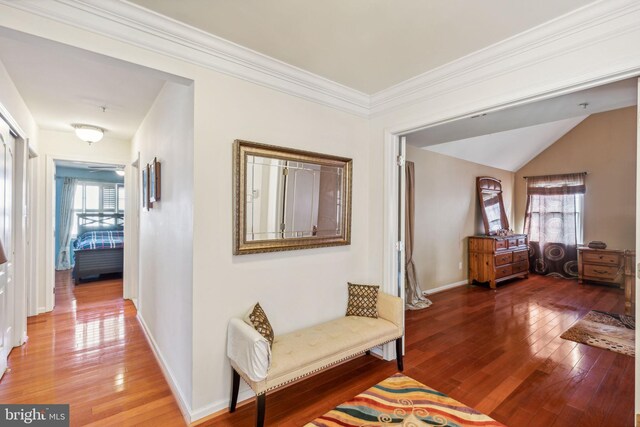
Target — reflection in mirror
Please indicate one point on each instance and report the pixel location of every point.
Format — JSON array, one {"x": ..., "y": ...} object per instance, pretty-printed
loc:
[
  {"x": 491, "y": 205},
  {"x": 289, "y": 199}
]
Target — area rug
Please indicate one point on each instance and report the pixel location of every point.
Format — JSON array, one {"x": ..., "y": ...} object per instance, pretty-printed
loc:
[
  {"x": 402, "y": 401},
  {"x": 615, "y": 332}
]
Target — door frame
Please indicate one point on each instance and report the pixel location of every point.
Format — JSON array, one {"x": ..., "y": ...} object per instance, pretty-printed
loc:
[
  {"x": 24, "y": 252},
  {"x": 50, "y": 241}
]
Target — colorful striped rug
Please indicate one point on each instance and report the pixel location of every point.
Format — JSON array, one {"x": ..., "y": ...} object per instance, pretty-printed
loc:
[{"x": 402, "y": 401}]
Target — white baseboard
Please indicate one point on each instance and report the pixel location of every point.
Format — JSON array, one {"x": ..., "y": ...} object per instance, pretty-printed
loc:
[
  {"x": 445, "y": 287},
  {"x": 219, "y": 405},
  {"x": 168, "y": 375}
]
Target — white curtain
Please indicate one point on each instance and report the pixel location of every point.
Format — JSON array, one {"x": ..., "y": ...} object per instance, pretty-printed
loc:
[
  {"x": 415, "y": 298},
  {"x": 66, "y": 223}
]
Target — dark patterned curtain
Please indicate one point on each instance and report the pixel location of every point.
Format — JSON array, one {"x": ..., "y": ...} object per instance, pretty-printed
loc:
[{"x": 553, "y": 223}]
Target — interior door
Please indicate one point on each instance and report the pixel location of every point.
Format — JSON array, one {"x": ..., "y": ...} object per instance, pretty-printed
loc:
[{"x": 7, "y": 150}]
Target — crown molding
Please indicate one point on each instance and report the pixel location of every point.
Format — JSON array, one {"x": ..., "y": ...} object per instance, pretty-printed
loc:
[
  {"x": 579, "y": 29},
  {"x": 120, "y": 20},
  {"x": 132, "y": 24}
]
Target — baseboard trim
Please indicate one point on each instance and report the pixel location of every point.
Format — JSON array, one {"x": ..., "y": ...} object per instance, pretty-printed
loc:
[
  {"x": 168, "y": 375},
  {"x": 220, "y": 407},
  {"x": 445, "y": 287}
]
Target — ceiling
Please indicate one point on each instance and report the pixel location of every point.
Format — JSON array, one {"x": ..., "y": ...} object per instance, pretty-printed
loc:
[
  {"x": 368, "y": 45},
  {"x": 510, "y": 138},
  {"x": 62, "y": 85},
  {"x": 71, "y": 164}
]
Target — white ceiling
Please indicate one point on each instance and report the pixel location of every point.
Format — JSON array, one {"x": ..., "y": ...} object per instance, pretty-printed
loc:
[
  {"x": 511, "y": 149},
  {"x": 87, "y": 165},
  {"x": 367, "y": 45},
  {"x": 509, "y": 138},
  {"x": 62, "y": 85}
]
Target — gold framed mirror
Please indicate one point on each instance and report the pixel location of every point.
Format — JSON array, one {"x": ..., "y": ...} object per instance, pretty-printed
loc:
[
  {"x": 494, "y": 215},
  {"x": 286, "y": 199}
]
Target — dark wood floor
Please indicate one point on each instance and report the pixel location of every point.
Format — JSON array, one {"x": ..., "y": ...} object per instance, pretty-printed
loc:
[
  {"x": 498, "y": 351},
  {"x": 91, "y": 352}
]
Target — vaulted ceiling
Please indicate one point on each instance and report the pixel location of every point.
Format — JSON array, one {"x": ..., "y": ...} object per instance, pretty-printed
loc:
[{"x": 367, "y": 45}]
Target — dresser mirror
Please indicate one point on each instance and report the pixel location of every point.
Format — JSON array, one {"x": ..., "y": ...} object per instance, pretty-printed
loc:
[
  {"x": 491, "y": 205},
  {"x": 289, "y": 199}
]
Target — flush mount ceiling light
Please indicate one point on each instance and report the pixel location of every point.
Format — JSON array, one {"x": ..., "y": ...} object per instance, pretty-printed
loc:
[{"x": 89, "y": 133}]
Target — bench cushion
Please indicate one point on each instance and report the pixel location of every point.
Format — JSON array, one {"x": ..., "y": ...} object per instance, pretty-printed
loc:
[{"x": 306, "y": 351}]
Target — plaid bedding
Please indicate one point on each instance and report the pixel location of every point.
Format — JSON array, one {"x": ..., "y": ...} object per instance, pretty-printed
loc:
[{"x": 100, "y": 240}]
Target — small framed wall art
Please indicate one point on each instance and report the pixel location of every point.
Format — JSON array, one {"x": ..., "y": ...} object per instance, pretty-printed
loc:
[
  {"x": 145, "y": 187},
  {"x": 154, "y": 180}
]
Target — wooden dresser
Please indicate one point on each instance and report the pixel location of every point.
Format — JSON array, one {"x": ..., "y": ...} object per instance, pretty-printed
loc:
[
  {"x": 601, "y": 265},
  {"x": 494, "y": 259}
]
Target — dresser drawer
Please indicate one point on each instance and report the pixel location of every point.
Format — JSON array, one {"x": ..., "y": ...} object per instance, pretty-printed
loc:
[
  {"x": 503, "y": 271},
  {"x": 520, "y": 256},
  {"x": 522, "y": 241},
  {"x": 601, "y": 258},
  {"x": 600, "y": 271},
  {"x": 503, "y": 259},
  {"x": 501, "y": 244},
  {"x": 512, "y": 242},
  {"x": 519, "y": 267}
]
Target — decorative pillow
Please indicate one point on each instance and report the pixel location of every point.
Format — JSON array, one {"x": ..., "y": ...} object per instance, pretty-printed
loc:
[
  {"x": 257, "y": 318},
  {"x": 363, "y": 300}
]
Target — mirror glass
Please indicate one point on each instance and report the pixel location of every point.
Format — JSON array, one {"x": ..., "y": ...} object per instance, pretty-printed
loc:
[
  {"x": 491, "y": 205},
  {"x": 289, "y": 199}
]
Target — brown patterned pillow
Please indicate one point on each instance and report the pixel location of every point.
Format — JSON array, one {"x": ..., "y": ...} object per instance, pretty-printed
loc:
[
  {"x": 258, "y": 319},
  {"x": 363, "y": 300}
]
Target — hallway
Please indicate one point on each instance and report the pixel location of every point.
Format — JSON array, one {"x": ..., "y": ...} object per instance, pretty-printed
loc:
[{"x": 91, "y": 352}]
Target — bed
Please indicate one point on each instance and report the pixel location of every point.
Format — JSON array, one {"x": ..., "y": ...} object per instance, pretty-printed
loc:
[{"x": 99, "y": 246}]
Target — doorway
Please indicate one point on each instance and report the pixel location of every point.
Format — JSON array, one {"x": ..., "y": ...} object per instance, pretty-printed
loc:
[{"x": 89, "y": 219}]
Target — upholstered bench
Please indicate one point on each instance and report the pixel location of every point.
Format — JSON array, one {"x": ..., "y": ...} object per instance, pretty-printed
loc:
[{"x": 307, "y": 351}]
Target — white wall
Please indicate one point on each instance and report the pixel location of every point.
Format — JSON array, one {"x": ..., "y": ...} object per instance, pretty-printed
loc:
[
  {"x": 63, "y": 145},
  {"x": 12, "y": 102},
  {"x": 165, "y": 293},
  {"x": 288, "y": 285}
]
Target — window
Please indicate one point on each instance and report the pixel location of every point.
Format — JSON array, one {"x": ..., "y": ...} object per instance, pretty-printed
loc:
[
  {"x": 97, "y": 197},
  {"x": 554, "y": 223},
  {"x": 555, "y": 208}
]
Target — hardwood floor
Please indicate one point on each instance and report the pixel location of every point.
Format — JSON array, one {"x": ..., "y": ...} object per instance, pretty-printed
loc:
[
  {"x": 498, "y": 351},
  {"x": 91, "y": 352}
]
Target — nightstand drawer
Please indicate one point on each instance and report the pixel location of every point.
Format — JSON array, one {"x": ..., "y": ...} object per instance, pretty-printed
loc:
[
  {"x": 600, "y": 271},
  {"x": 503, "y": 271},
  {"x": 503, "y": 259},
  {"x": 601, "y": 258}
]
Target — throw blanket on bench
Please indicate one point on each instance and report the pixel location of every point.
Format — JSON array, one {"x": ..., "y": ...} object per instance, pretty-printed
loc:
[{"x": 304, "y": 352}]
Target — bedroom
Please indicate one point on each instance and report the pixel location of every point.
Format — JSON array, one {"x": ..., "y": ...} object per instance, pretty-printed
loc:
[
  {"x": 561, "y": 137},
  {"x": 89, "y": 209}
]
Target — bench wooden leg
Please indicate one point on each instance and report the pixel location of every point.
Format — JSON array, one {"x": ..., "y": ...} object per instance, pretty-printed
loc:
[
  {"x": 235, "y": 386},
  {"x": 399, "y": 354},
  {"x": 260, "y": 409}
]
